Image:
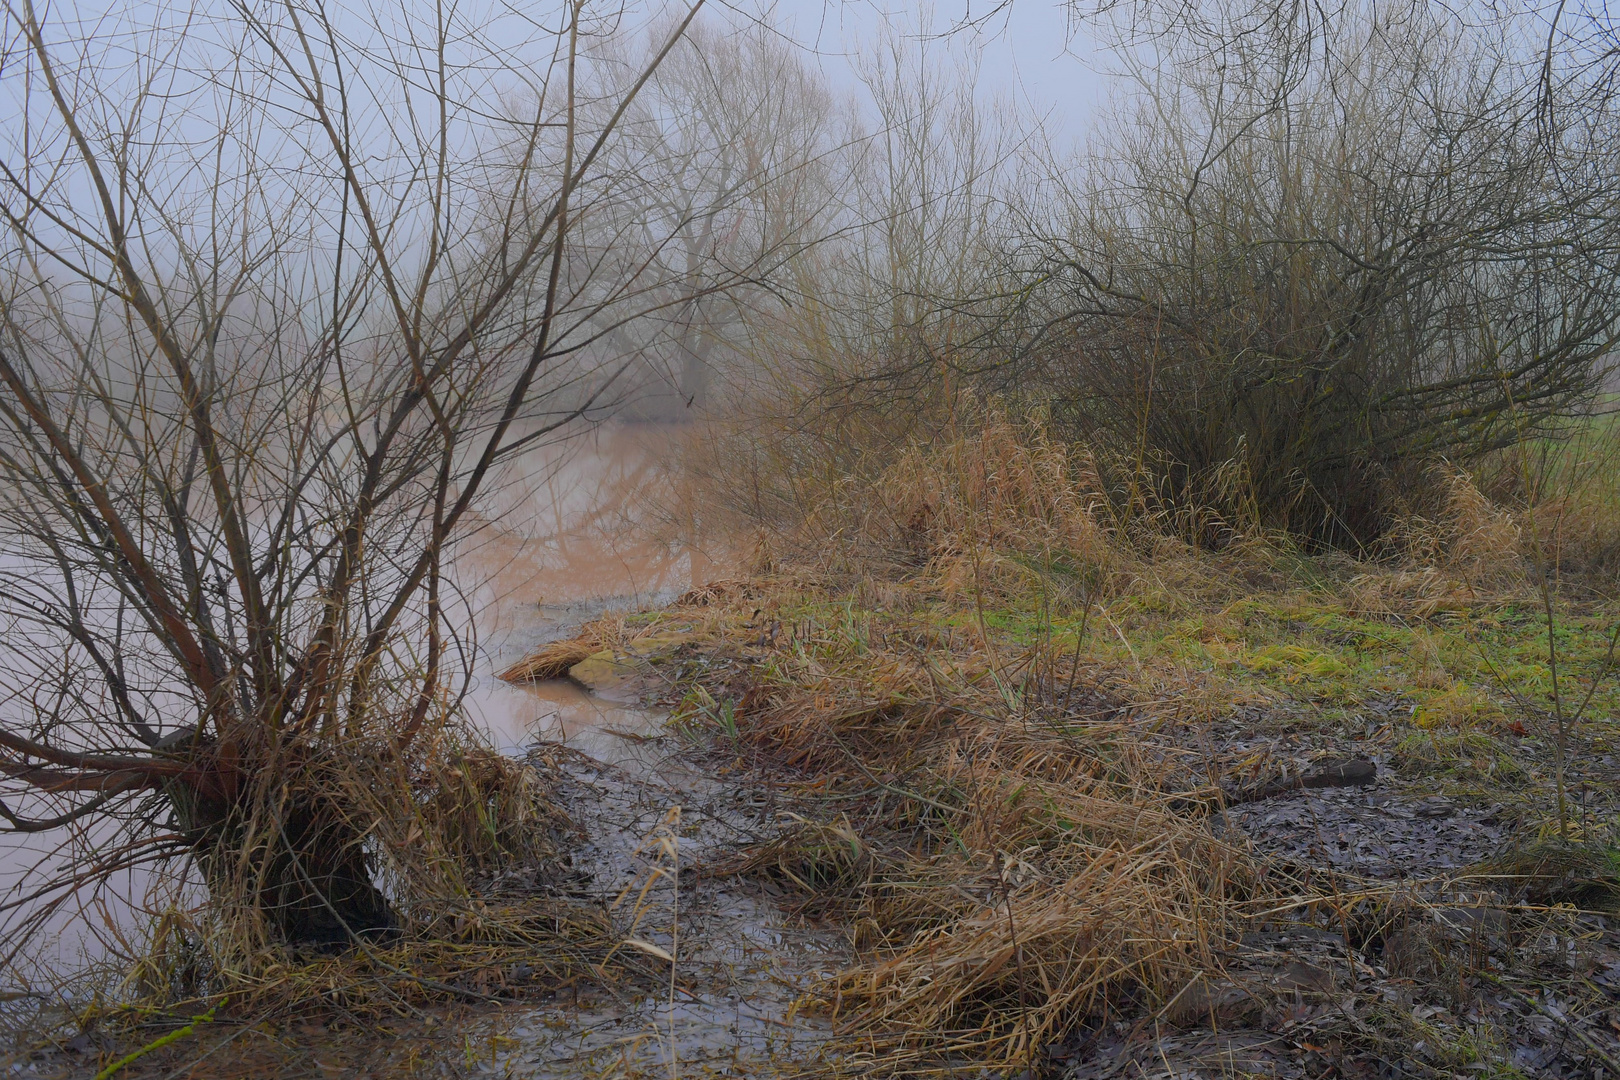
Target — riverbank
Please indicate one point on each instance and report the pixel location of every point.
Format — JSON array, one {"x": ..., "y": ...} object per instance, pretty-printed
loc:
[
  {"x": 1251, "y": 826},
  {"x": 889, "y": 827},
  {"x": 989, "y": 782}
]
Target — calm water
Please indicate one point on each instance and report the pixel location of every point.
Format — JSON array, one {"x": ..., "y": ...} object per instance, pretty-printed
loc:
[
  {"x": 569, "y": 536},
  {"x": 574, "y": 538}
]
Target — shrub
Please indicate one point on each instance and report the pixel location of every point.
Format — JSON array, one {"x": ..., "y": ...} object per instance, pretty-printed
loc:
[{"x": 1312, "y": 267}]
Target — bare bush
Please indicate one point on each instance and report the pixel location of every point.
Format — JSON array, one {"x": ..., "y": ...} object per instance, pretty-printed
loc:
[
  {"x": 282, "y": 292},
  {"x": 1315, "y": 254}
]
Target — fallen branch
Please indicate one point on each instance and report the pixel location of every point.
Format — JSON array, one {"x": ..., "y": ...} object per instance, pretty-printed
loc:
[{"x": 1350, "y": 772}]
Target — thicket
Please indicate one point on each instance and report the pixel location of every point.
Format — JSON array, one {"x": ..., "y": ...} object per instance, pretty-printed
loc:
[
  {"x": 1305, "y": 262},
  {"x": 1308, "y": 268}
]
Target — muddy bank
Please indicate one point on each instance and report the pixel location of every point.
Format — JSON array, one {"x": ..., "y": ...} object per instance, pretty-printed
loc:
[
  {"x": 656, "y": 823},
  {"x": 972, "y": 817},
  {"x": 719, "y": 968},
  {"x": 939, "y": 816},
  {"x": 571, "y": 536}
]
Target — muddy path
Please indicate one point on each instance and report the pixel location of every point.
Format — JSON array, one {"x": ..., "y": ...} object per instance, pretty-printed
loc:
[
  {"x": 654, "y": 821},
  {"x": 573, "y": 543},
  {"x": 1427, "y": 952}
]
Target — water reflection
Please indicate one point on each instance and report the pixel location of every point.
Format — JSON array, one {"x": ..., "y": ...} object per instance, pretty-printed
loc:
[
  {"x": 559, "y": 710},
  {"x": 575, "y": 530},
  {"x": 574, "y": 533}
]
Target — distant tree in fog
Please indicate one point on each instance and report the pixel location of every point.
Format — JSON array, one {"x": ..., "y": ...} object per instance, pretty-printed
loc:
[{"x": 734, "y": 143}]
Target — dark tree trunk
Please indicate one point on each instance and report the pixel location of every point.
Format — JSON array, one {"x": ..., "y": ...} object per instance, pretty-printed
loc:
[{"x": 307, "y": 872}]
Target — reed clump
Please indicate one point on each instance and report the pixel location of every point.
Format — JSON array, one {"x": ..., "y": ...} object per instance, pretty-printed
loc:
[
  {"x": 551, "y": 661},
  {"x": 998, "y": 511},
  {"x": 1014, "y": 856}
]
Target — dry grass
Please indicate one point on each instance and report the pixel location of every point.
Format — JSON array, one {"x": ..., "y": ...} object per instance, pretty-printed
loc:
[
  {"x": 1002, "y": 495},
  {"x": 1014, "y": 855},
  {"x": 1464, "y": 551},
  {"x": 464, "y": 840},
  {"x": 1012, "y": 867},
  {"x": 490, "y": 951},
  {"x": 1567, "y": 496},
  {"x": 998, "y": 785},
  {"x": 1078, "y": 898},
  {"x": 1000, "y": 799},
  {"x": 1012, "y": 852},
  {"x": 550, "y": 662},
  {"x": 1009, "y": 875}
]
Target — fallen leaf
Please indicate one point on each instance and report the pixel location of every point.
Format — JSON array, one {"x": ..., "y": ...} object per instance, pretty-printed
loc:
[{"x": 651, "y": 949}]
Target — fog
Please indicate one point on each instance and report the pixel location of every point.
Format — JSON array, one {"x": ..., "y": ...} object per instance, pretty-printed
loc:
[{"x": 349, "y": 356}]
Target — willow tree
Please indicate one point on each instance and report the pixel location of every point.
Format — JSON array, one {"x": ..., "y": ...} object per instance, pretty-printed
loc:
[{"x": 281, "y": 292}]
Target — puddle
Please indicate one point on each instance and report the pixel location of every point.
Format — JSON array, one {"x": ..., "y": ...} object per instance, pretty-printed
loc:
[
  {"x": 573, "y": 535},
  {"x": 573, "y": 541},
  {"x": 744, "y": 1028}
]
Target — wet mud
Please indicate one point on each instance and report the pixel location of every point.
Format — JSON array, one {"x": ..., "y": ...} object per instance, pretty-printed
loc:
[
  {"x": 737, "y": 965},
  {"x": 573, "y": 543}
]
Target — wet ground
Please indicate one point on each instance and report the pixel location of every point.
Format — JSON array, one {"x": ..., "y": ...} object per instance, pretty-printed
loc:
[
  {"x": 1415, "y": 971},
  {"x": 1394, "y": 828},
  {"x": 1418, "y": 964},
  {"x": 737, "y": 965},
  {"x": 572, "y": 544},
  {"x": 1437, "y": 983}
]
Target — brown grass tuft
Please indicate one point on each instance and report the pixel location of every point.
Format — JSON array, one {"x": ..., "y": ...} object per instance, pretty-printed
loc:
[
  {"x": 1011, "y": 864},
  {"x": 551, "y": 661}
]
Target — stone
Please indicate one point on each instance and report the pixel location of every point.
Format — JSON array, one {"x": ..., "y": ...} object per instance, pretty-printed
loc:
[{"x": 610, "y": 677}]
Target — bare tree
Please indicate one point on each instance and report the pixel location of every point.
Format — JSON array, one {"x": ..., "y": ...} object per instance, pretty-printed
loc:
[
  {"x": 733, "y": 140},
  {"x": 871, "y": 343},
  {"x": 283, "y": 290}
]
